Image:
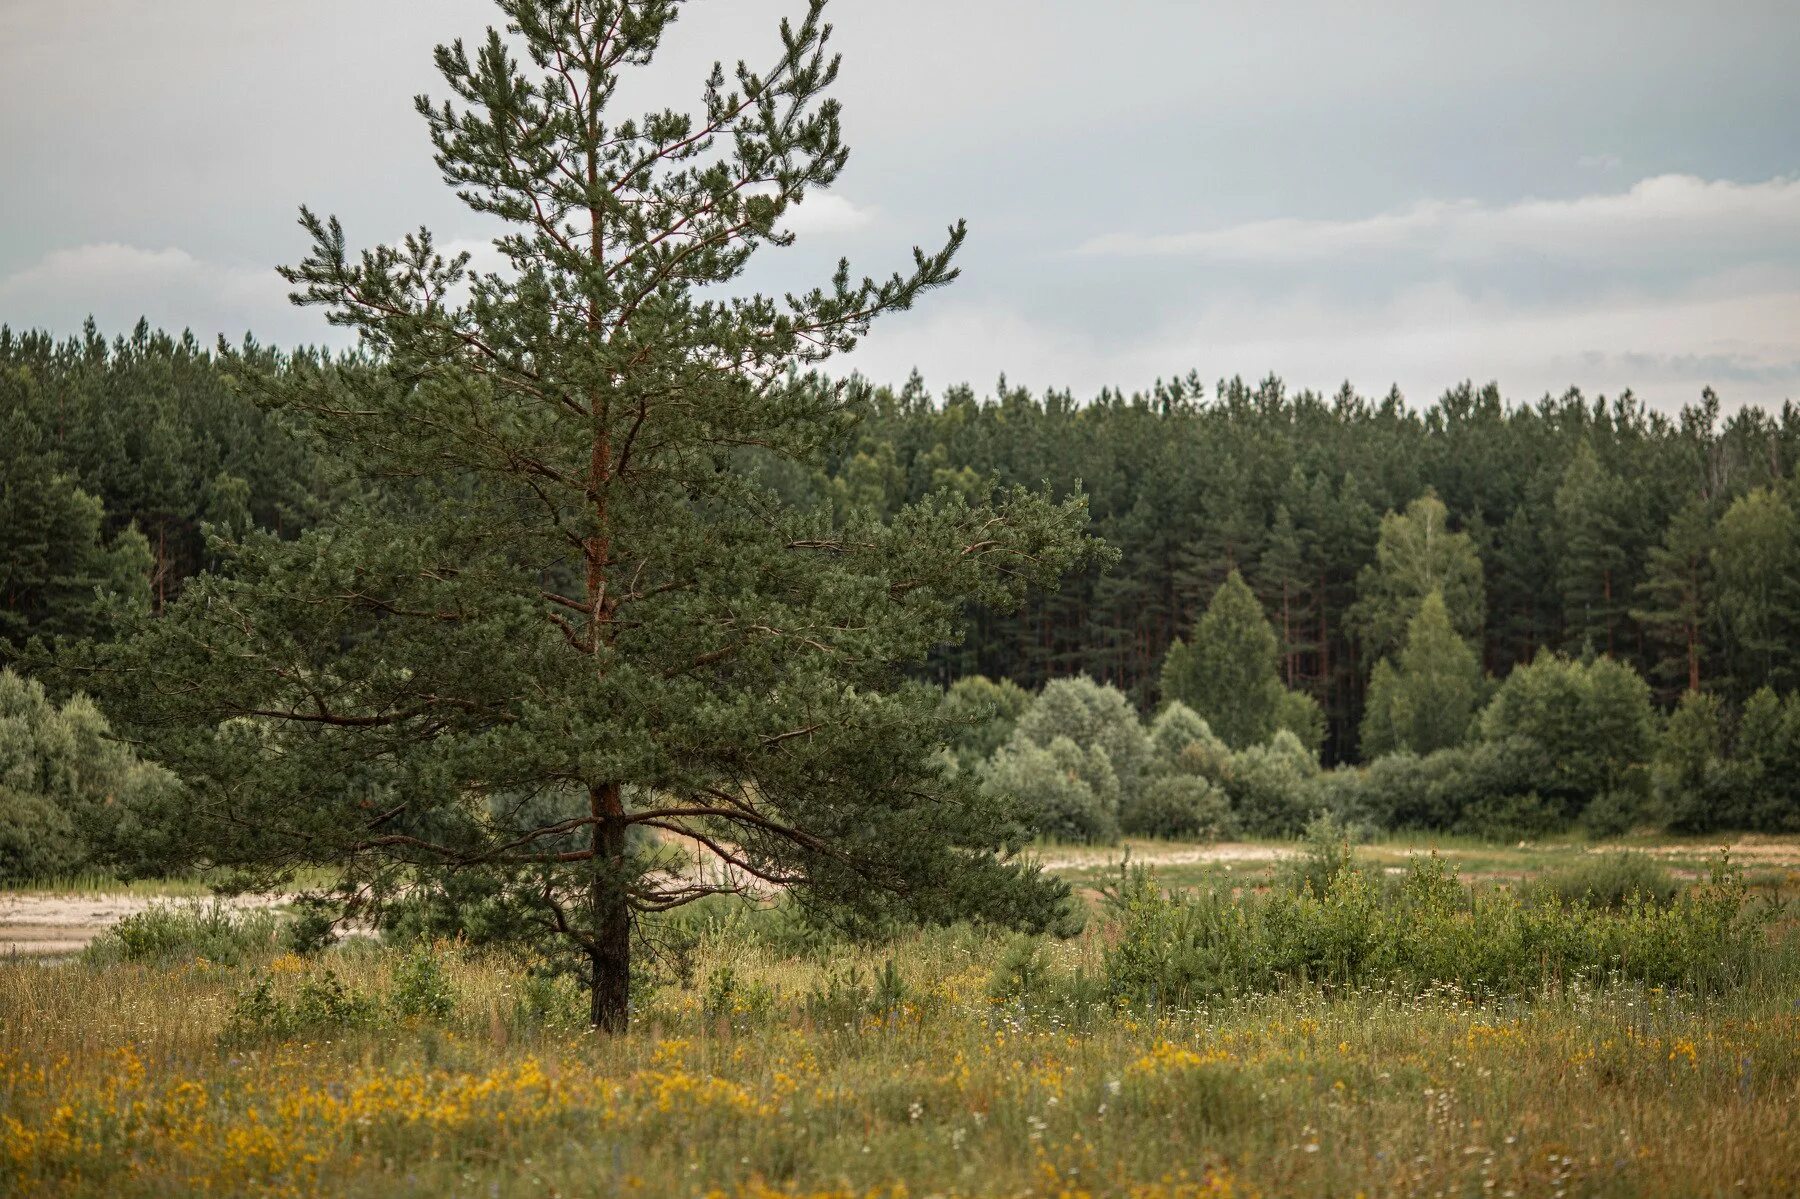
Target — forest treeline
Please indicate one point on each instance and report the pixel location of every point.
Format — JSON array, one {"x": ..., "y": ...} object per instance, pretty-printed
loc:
[
  {"x": 1601, "y": 529},
  {"x": 1668, "y": 542}
]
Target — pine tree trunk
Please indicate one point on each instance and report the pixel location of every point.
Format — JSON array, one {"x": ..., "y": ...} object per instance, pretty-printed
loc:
[{"x": 609, "y": 958}]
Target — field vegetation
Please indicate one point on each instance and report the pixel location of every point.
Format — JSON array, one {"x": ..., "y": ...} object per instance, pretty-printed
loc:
[{"x": 1322, "y": 1027}]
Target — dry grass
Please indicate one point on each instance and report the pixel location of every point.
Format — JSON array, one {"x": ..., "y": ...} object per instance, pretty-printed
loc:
[{"x": 121, "y": 1080}]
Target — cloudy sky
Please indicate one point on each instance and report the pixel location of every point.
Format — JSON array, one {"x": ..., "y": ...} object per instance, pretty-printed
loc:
[{"x": 1412, "y": 192}]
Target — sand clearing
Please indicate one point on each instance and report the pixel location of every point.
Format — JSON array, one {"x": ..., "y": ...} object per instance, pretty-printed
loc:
[{"x": 49, "y": 925}]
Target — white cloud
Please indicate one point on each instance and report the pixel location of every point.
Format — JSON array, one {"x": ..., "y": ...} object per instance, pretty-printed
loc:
[
  {"x": 1723, "y": 332},
  {"x": 826, "y": 213},
  {"x": 1665, "y": 215},
  {"x": 117, "y": 284}
]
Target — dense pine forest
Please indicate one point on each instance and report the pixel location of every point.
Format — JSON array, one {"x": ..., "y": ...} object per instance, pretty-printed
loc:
[{"x": 1666, "y": 541}]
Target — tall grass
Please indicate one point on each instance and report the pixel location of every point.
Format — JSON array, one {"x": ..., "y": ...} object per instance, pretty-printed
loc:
[{"x": 950, "y": 1062}]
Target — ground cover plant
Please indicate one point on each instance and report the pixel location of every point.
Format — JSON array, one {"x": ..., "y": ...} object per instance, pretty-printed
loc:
[{"x": 771, "y": 1059}]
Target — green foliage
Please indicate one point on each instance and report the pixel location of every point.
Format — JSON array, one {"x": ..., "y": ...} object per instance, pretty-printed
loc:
[
  {"x": 1228, "y": 676},
  {"x": 1272, "y": 786},
  {"x": 556, "y": 608},
  {"x": 114, "y": 460},
  {"x": 60, "y": 574},
  {"x": 421, "y": 987},
  {"x": 70, "y": 795},
  {"x": 1416, "y": 555},
  {"x": 1592, "y": 720},
  {"x": 1594, "y": 567},
  {"x": 1486, "y": 789},
  {"x": 1100, "y": 721},
  {"x": 1766, "y": 782},
  {"x": 214, "y": 931},
  {"x": 980, "y": 715},
  {"x": 1690, "y": 776},
  {"x": 1324, "y": 854},
  {"x": 1756, "y": 562},
  {"x": 1614, "y": 880},
  {"x": 1429, "y": 699},
  {"x": 1021, "y": 973},
  {"x": 1180, "y": 807},
  {"x": 1675, "y": 597},
  {"x": 323, "y": 1003},
  {"x": 1179, "y": 949},
  {"x": 1174, "y": 729},
  {"x": 1065, "y": 793}
]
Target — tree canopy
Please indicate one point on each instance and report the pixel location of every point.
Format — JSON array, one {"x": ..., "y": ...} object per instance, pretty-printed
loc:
[{"x": 566, "y": 638}]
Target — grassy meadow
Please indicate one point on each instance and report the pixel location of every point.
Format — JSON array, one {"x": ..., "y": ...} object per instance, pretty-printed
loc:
[{"x": 1373, "y": 1037}]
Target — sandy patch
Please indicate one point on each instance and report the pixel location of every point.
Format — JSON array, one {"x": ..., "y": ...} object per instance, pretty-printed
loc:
[
  {"x": 47, "y": 925},
  {"x": 1107, "y": 857}
]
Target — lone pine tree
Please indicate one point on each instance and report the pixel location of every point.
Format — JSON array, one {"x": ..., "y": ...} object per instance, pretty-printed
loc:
[{"x": 577, "y": 657}]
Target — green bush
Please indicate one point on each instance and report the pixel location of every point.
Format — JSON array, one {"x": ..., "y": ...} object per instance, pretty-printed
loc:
[
  {"x": 421, "y": 987},
  {"x": 1272, "y": 786},
  {"x": 1180, "y": 739},
  {"x": 1068, "y": 794},
  {"x": 1099, "y": 721},
  {"x": 322, "y": 1003},
  {"x": 69, "y": 793},
  {"x": 1181, "y": 808},
  {"x": 1180, "y": 949},
  {"x": 213, "y": 930},
  {"x": 1485, "y": 789},
  {"x": 1324, "y": 854},
  {"x": 1592, "y": 720},
  {"x": 1613, "y": 880},
  {"x": 980, "y": 715}
]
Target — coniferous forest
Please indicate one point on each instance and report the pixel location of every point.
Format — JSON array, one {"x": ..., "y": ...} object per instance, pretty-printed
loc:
[{"x": 1665, "y": 545}]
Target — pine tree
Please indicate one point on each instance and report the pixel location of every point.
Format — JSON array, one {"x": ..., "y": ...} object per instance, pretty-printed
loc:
[
  {"x": 1283, "y": 578},
  {"x": 578, "y": 651},
  {"x": 57, "y": 568},
  {"x": 1427, "y": 700},
  {"x": 1592, "y": 558},
  {"x": 1674, "y": 596},
  {"x": 1228, "y": 675}
]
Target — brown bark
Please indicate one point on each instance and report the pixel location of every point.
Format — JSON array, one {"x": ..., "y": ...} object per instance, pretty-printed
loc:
[{"x": 609, "y": 957}]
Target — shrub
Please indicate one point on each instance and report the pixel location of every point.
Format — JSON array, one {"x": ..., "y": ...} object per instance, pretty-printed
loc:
[
  {"x": 67, "y": 789},
  {"x": 323, "y": 1002},
  {"x": 1094, "y": 717},
  {"x": 981, "y": 715},
  {"x": 1022, "y": 973},
  {"x": 1271, "y": 786},
  {"x": 421, "y": 987},
  {"x": 1067, "y": 794},
  {"x": 1485, "y": 789},
  {"x": 1592, "y": 719},
  {"x": 1180, "y": 739},
  {"x": 214, "y": 930},
  {"x": 1611, "y": 880},
  {"x": 1181, "y": 808},
  {"x": 1324, "y": 854},
  {"x": 1178, "y": 949}
]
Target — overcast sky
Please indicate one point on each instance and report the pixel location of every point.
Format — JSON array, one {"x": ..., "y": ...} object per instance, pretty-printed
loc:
[{"x": 1546, "y": 194}]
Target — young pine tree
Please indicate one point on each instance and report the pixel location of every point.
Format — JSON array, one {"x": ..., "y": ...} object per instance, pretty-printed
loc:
[
  {"x": 1674, "y": 594},
  {"x": 1427, "y": 700},
  {"x": 577, "y": 652},
  {"x": 1229, "y": 674}
]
